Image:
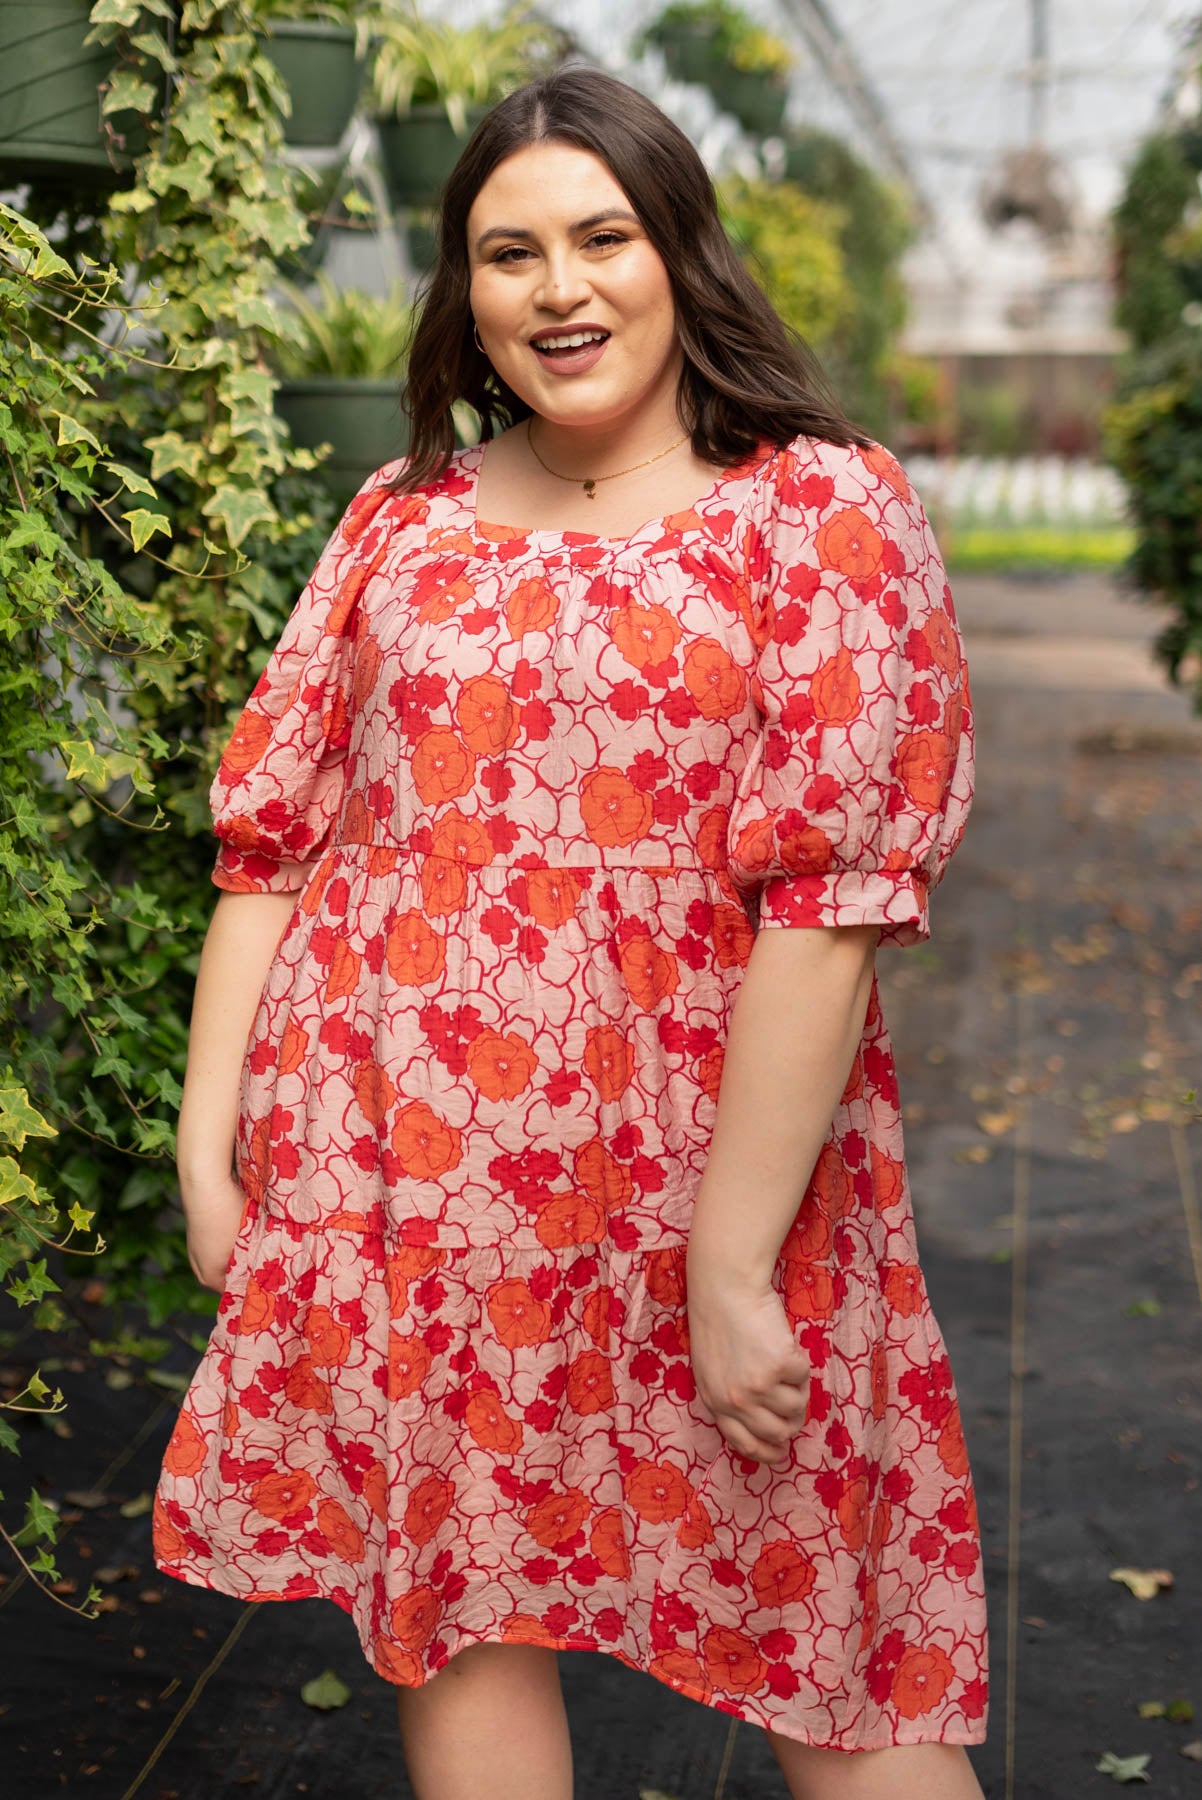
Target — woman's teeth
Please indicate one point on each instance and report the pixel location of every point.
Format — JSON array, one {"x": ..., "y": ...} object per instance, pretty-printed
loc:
[{"x": 574, "y": 342}]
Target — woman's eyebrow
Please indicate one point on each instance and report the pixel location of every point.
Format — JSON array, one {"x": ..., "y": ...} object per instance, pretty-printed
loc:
[{"x": 593, "y": 220}]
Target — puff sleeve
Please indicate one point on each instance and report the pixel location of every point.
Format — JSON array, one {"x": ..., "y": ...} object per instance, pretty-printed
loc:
[
  {"x": 858, "y": 788},
  {"x": 279, "y": 786}
]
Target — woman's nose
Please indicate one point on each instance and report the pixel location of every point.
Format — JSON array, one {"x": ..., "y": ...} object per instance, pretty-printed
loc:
[{"x": 563, "y": 281}]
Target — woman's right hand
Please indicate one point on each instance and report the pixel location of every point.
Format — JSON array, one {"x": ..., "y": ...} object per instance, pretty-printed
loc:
[{"x": 213, "y": 1209}]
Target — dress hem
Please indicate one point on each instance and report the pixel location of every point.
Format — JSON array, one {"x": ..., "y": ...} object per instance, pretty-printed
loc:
[{"x": 548, "y": 1642}]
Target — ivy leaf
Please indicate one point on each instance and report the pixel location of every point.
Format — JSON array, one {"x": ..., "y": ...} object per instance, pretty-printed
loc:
[
  {"x": 239, "y": 509},
  {"x": 129, "y": 478},
  {"x": 14, "y": 1183},
  {"x": 1145, "y": 1584},
  {"x": 86, "y": 763},
  {"x": 70, "y": 431},
  {"x": 116, "y": 12},
  {"x": 1124, "y": 1768},
  {"x": 326, "y": 1691},
  {"x": 127, "y": 90},
  {"x": 19, "y": 1120},
  {"x": 33, "y": 530},
  {"x": 143, "y": 524},
  {"x": 170, "y": 452}
]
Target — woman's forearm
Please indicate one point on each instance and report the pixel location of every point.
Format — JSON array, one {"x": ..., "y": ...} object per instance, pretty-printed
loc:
[
  {"x": 241, "y": 941},
  {"x": 797, "y": 1022}
]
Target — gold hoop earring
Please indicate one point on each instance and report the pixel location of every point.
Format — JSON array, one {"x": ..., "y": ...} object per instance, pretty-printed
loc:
[{"x": 476, "y": 335}]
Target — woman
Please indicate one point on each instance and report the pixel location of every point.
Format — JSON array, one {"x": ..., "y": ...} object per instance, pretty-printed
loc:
[{"x": 570, "y": 1296}]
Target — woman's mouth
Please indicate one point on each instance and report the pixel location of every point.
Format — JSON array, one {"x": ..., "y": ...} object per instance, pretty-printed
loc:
[{"x": 569, "y": 352}]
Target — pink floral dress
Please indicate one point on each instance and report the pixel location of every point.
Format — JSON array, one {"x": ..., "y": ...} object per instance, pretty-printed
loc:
[{"x": 534, "y": 793}]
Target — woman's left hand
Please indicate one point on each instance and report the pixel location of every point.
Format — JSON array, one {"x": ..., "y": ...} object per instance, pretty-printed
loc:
[{"x": 750, "y": 1371}]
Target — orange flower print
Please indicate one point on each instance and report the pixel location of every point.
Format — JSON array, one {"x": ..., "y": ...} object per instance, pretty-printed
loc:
[
  {"x": 943, "y": 643},
  {"x": 851, "y": 1512},
  {"x": 250, "y": 737},
  {"x": 409, "y": 1362},
  {"x": 871, "y": 1613},
  {"x": 328, "y": 1339},
  {"x": 443, "y": 766},
  {"x": 888, "y": 1180},
  {"x": 304, "y": 1388},
  {"x": 464, "y": 840},
  {"x": 645, "y": 635},
  {"x": 923, "y": 761},
  {"x": 444, "y": 885},
  {"x": 663, "y": 1273},
  {"x": 368, "y": 657},
  {"x": 879, "y": 1529},
  {"x": 831, "y": 1182},
  {"x": 414, "y": 1616},
  {"x": 711, "y": 837},
  {"x": 953, "y": 1451},
  {"x": 557, "y": 1518},
  {"x": 732, "y": 1660},
  {"x": 733, "y": 936},
  {"x": 903, "y": 1288},
  {"x": 602, "y": 1176},
  {"x": 709, "y": 1071},
  {"x": 552, "y": 896},
  {"x": 887, "y": 469},
  {"x": 415, "y": 952},
  {"x": 651, "y": 974},
  {"x": 680, "y": 1669},
  {"x": 695, "y": 1528},
  {"x": 716, "y": 683},
  {"x": 374, "y": 1088},
  {"x": 608, "y": 1544},
  {"x": 781, "y": 1574},
  {"x": 287, "y": 1494},
  {"x": 614, "y": 811},
  {"x": 518, "y": 1319},
  {"x": 396, "y": 1664},
  {"x": 258, "y": 1308},
  {"x": 609, "y": 1061},
  {"x": 486, "y": 715},
  {"x": 656, "y": 1491},
  {"x": 879, "y": 1378},
  {"x": 809, "y": 1291},
  {"x": 426, "y": 1145},
  {"x": 569, "y": 1219},
  {"x": 343, "y": 978},
  {"x": 501, "y": 1065},
  {"x": 169, "y": 1544},
  {"x": 375, "y": 1489},
  {"x": 590, "y": 1386},
  {"x": 186, "y": 1450},
  {"x": 293, "y": 1045},
  {"x": 805, "y": 850},
  {"x": 595, "y": 1314},
  {"x": 920, "y": 1680},
  {"x": 810, "y": 1235},
  {"x": 340, "y": 1531},
  {"x": 490, "y": 1425},
  {"x": 835, "y": 687},
  {"x": 850, "y": 543},
  {"x": 532, "y": 606},
  {"x": 428, "y": 1508}
]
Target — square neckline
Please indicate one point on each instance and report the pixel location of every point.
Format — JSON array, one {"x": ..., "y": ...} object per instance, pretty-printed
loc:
[{"x": 472, "y": 456}]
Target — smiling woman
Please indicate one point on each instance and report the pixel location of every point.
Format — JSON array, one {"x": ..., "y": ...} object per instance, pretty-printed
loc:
[{"x": 576, "y": 1302}]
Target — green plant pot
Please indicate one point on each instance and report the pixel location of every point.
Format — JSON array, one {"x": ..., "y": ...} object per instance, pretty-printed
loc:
[
  {"x": 688, "y": 51},
  {"x": 420, "y": 150},
  {"x": 422, "y": 241},
  {"x": 319, "y": 68},
  {"x": 757, "y": 100},
  {"x": 362, "y": 419},
  {"x": 50, "y": 120}
]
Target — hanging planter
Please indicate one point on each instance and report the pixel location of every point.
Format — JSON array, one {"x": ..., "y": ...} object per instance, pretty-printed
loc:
[
  {"x": 420, "y": 150},
  {"x": 50, "y": 80},
  {"x": 756, "y": 97},
  {"x": 319, "y": 67},
  {"x": 362, "y": 419},
  {"x": 688, "y": 50}
]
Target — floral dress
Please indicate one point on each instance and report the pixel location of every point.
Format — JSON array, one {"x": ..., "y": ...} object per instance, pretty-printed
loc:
[{"x": 534, "y": 793}]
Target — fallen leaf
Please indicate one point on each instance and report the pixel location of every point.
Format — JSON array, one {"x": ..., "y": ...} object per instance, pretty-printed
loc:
[
  {"x": 1125, "y": 1121},
  {"x": 1193, "y": 1751},
  {"x": 1145, "y": 1584},
  {"x": 88, "y": 1498},
  {"x": 973, "y": 1153},
  {"x": 133, "y": 1509},
  {"x": 1180, "y": 1712},
  {"x": 995, "y": 1123},
  {"x": 1151, "y": 1709},
  {"x": 1038, "y": 1623},
  {"x": 1143, "y": 1309},
  {"x": 1124, "y": 1768},
  {"x": 325, "y": 1692},
  {"x": 656, "y": 1794}
]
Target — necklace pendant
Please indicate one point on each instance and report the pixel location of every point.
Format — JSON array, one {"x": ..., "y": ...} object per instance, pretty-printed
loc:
[{"x": 590, "y": 488}]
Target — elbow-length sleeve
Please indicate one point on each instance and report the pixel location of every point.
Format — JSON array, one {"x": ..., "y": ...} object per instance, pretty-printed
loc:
[
  {"x": 279, "y": 786},
  {"x": 858, "y": 788}
]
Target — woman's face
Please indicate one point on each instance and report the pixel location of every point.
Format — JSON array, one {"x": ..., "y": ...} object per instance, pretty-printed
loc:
[{"x": 554, "y": 245}]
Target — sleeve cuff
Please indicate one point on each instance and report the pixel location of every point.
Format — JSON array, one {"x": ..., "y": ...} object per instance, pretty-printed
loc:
[
  {"x": 250, "y": 872},
  {"x": 897, "y": 901}
]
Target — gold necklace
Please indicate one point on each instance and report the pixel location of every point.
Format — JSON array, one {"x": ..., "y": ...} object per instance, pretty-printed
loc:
[{"x": 590, "y": 485}]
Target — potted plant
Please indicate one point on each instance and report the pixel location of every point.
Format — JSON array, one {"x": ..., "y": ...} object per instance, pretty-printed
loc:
[
  {"x": 342, "y": 370},
  {"x": 313, "y": 45},
  {"x": 715, "y": 43},
  {"x": 51, "y": 121},
  {"x": 431, "y": 83}
]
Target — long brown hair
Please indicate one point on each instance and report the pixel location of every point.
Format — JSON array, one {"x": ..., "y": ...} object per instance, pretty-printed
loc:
[{"x": 747, "y": 377}]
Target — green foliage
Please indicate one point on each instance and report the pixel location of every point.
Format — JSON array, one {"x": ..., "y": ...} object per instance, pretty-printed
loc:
[
  {"x": 75, "y": 765},
  {"x": 791, "y": 244},
  {"x": 327, "y": 12},
  {"x": 877, "y": 226},
  {"x": 422, "y": 62},
  {"x": 734, "y": 37},
  {"x": 219, "y": 524},
  {"x": 349, "y": 334},
  {"x": 1152, "y": 280},
  {"x": 1034, "y": 549},
  {"x": 1154, "y": 440}
]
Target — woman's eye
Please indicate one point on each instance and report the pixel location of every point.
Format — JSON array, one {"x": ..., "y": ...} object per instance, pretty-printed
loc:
[
  {"x": 607, "y": 237},
  {"x": 601, "y": 239}
]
